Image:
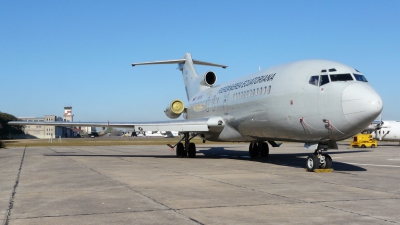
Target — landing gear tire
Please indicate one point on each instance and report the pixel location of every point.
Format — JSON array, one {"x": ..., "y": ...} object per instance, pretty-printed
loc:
[
  {"x": 263, "y": 148},
  {"x": 192, "y": 150},
  {"x": 253, "y": 150},
  {"x": 312, "y": 163},
  {"x": 328, "y": 162},
  {"x": 180, "y": 150}
]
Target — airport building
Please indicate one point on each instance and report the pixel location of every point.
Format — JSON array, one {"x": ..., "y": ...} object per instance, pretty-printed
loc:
[{"x": 44, "y": 132}]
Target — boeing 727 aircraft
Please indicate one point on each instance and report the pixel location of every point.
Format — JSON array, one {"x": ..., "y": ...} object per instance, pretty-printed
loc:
[{"x": 317, "y": 102}]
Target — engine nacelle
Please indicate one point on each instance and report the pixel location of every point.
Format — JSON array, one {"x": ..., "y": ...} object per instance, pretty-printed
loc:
[
  {"x": 208, "y": 79},
  {"x": 175, "y": 109}
]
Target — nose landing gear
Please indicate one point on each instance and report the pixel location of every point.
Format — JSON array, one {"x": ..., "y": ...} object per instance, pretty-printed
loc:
[{"x": 318, "y": 161}]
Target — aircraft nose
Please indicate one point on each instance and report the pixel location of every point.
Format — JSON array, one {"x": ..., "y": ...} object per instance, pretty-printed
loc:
[{"x": 361, "y": 105}]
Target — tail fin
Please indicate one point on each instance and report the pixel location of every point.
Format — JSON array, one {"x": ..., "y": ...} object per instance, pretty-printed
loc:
[{"x": 189, "y": 73}]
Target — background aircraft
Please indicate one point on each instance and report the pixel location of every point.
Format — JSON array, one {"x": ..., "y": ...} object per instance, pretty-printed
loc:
[
  {"x": 317, "y": 102},
  {"x": 165, "y": 134},
  {"x": 385, "y": 130}
]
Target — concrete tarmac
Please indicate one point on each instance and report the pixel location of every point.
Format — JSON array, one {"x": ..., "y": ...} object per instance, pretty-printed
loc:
[{"x": 222, "y": 185}]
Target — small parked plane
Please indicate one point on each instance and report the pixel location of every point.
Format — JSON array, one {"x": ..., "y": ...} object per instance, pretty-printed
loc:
[
  {"x": 385, "y": 130},
  {"x": 317, "y": 102},
  {"x": 165, "y": 134}
]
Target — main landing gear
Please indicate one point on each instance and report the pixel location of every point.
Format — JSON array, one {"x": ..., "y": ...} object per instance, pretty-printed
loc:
[
  {"x": 318, "y": 161},
  {"x": 258, "y": 149},
  {"x": 186, "y": 149}
]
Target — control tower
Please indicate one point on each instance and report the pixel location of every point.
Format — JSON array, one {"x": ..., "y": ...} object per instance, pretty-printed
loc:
[{"x": 68, "y": 116}]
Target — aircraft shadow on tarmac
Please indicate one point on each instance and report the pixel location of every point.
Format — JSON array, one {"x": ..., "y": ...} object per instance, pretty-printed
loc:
[{"x": 296, "y": 160}]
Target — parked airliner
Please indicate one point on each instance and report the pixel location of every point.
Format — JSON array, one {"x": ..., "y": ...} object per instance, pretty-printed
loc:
[{"x": 317, "y": 102}]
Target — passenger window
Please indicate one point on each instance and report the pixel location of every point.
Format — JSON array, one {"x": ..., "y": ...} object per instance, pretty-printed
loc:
[
  {"x": 324, "y": 80},
  {"x": 341, "y": 77},
  {"x": 314, "y": 80}
]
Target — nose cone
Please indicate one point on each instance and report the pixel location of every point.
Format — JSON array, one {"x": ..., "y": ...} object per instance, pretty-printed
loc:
[{"x": 361, "y": 105}]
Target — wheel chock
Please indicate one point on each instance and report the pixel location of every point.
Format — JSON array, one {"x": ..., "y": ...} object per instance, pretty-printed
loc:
[{"x": 322, "y": 170}]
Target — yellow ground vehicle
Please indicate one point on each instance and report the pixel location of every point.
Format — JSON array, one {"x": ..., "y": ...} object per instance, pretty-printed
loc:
[{"x": 363, "y": 141}]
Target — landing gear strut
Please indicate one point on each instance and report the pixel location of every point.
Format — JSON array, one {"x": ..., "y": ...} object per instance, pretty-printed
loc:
[
  {"x": 318, "y": 161},
  {"x": 187, "y": 148}
]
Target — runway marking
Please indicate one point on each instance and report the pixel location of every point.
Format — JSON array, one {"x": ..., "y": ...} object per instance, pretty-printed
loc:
[
  {"x": 362, "y": 164},
  {"x": 11, "y": 203},
  {"x": 394, "y": 159}
]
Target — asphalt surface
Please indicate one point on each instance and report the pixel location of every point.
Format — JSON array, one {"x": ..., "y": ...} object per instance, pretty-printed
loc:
[{"x": 149, "y": 185}]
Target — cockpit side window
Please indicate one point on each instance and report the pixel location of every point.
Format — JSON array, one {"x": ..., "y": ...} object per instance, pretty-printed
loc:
[
  {"x": 314, "y": 80},
  {"x": 360, "y": 77},
  {"x": 341, "y": 77},
  {"x": 324, "y": 80}
]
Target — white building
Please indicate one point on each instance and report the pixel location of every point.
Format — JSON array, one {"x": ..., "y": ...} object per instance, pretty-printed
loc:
[{"x": 44, "y": 132}]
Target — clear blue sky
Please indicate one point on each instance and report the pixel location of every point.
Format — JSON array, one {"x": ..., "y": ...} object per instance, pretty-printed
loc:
[{"x": 58, "y": 53}]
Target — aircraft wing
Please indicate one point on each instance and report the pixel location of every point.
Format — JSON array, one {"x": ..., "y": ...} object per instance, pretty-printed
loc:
[{"x": 191, "y": 125}]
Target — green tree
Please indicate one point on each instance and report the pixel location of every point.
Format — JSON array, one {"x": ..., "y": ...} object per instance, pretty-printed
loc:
[{"x": 6, "y": 129}]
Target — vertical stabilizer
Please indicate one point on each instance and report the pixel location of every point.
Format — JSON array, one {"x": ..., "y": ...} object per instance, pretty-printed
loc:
[{"x": 189, "y": 75}]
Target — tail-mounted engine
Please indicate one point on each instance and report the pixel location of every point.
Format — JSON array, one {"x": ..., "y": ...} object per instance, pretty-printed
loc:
[
  {"x": 175, "y": 109},
  {"x": 208, "y": 79}
]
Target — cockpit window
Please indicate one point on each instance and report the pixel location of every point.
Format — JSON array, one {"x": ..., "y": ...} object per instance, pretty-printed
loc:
[
  {"x": 324, "y": 80},
  {"x": 341, "y": 77},
  {"x": 360, "y": 77},
  {"x": 314, "y": 80}
]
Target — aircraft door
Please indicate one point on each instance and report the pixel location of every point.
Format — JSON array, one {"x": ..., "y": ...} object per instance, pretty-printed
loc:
[
  {"x": 208, "y": 104},
  {"x": 226, "y": 104},
  {"x": 314, "y": 92},
  {"x": 311, "y": 92},
  {"x": 214, "y": 102}
]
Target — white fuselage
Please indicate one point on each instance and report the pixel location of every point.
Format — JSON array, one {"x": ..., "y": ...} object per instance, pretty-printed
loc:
[
  {"x": 280, "y": 103},
  {"x": 390, "y": 131}
]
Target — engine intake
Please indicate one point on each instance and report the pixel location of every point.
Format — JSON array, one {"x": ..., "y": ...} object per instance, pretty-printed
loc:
[
  {"x": 209, "y": 79},
  {"x": 175, "y": 109}
]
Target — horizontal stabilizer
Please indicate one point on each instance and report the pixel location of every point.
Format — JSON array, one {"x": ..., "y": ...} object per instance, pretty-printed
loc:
[{"x": 174, "y": 61}]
